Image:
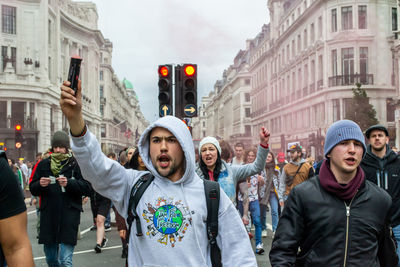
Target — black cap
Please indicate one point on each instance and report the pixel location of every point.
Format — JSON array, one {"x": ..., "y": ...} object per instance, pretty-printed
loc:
[{"x": 376, "y": 127}]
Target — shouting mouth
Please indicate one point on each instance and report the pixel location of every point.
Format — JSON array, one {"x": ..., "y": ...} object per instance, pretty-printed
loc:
[
  {"x": 164, "y": 161},
  {"x": 350, "y": 161}
]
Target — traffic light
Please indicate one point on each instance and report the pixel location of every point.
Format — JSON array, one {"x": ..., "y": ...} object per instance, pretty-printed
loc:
[
  {"x": 165, "y": 89},
  {"x": 188, "y": 84},
  {"x": 18, "y": 136}
]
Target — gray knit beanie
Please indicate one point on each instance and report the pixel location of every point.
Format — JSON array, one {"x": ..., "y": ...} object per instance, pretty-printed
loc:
[
  {"x": 60, "y": 139},
  {"x": 340, "y": 131}
]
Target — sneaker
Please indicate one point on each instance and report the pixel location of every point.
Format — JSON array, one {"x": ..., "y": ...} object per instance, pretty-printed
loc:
[
  {"x": 97, "y": 248},
  {"x": 273, "y": 234},
  {"x": 260, "y": 249},
  {"x": 93, "y": 228},
  {"x": 264, "y": 233},
  {"x": 107, "y": 228},
  {"x": 104, "y": 242}
]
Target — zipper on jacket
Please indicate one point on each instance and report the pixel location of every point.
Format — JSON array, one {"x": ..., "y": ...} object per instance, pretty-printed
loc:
[{"x": 347, "y": 228}]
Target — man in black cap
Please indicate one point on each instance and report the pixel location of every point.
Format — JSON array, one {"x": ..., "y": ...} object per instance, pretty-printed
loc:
[
  {"x": 60, "y": 185},
  {"x": 382, "y": 166}
]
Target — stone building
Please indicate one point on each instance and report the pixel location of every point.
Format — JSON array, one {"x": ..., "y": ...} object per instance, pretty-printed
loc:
[
  {"x": 37, "y": 39},
  {"x": 305, "y": 62}
]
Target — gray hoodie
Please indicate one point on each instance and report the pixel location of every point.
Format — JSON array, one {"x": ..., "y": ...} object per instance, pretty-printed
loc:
[{"x": 172, "y": 214}]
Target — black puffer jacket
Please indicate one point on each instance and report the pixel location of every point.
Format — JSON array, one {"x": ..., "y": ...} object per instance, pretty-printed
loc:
[
  {"x": 60, "y": 213},
  {"x": 316, "y": 221},
  {"x": 385, "y": 172}
]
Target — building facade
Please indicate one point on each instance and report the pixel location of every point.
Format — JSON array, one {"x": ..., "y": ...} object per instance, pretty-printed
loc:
[
  {"x": 225, "y": 112},
  {"x": 37, "y": 40},
  {"x": 306, "y": 61}
]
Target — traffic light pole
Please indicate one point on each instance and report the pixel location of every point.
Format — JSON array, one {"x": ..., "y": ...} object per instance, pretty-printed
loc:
[{"x": 178, "y": 93}]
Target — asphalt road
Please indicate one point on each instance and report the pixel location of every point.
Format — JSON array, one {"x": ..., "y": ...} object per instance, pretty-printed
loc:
[{"x": 84, "y": 255}]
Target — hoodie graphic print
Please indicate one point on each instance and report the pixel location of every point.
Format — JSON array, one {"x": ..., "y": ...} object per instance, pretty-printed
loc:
[{"x": 173, "y": 215}]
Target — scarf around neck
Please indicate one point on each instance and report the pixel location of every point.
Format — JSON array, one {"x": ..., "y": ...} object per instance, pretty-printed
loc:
[
  {"x": 329, "y": 183},
  {"x": 57, "y": 162}
]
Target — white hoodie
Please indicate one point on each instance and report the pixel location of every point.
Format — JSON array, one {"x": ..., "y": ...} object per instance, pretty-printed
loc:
[{"x": 173, "y": 214}]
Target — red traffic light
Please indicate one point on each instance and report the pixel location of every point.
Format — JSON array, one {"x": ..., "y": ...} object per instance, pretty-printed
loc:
[
  {"x": 189, "y": 70},
  {"x": 18, "y": 127},
  {"x": 163, "y": 71}
]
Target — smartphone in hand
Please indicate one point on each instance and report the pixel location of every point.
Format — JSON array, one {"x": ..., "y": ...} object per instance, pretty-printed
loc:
[{"x": 73, "y": 73}]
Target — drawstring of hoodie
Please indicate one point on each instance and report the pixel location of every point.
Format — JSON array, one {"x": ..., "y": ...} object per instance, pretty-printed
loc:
[
  {"x": 194, "y": 228},
  {"x": 382, "y": 179}
]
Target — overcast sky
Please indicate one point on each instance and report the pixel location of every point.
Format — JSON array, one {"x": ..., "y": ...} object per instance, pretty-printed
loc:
[{"x": 148, "y": 33}]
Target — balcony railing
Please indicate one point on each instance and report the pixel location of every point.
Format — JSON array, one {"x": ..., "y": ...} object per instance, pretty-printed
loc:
[
  {"x": 351, "y": 79},
  {"x": 312, "y": 88},
  {"x": 320, "y": 83},
  {"x": 305, "y": 91},
  {"x": 26, "y": 122}
]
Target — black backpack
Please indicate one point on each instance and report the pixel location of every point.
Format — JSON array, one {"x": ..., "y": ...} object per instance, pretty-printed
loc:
[{"x": 212, "y": 192}]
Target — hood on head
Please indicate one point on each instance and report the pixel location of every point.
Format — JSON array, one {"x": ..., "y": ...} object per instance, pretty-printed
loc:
[{"x": 182, "y": 134}]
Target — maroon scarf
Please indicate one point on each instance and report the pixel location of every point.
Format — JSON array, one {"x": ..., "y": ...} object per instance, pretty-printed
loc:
[{"x": 330, "y": 184}]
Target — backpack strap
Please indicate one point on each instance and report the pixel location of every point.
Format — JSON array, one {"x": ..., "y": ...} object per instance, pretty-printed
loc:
[
  {"x": 212, "y": 193},
  {"x": 136, "y": 193}
]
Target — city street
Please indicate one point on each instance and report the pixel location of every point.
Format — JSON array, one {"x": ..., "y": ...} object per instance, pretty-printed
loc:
[{"x": 84, "y": 255}]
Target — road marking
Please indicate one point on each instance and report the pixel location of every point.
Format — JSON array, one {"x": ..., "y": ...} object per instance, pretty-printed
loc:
[
  {"x": 82, "y": 252},
  {"x": 86, "y": 230}
]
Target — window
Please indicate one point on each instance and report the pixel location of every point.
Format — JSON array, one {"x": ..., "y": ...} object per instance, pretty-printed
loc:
[
  {"x": 334, "y": 63},
  {"x": 293, "y": 49},
  {"x": 394, "y": 19},
  {"x": 8, "y": 19},
  {"x": 298, "y": 43},
  {"x": 320, "y": 68},
  {"x": 334, "y": 20},
  {"x": 363, "y": 64},
  {"x": 103, "y": 131},
  {"x": 3, "y": 114},
  {"x": 204, "y": 124},
  {"x": 305, "y": 39},
  {"x": 247, "y": 81},
  {"x": 312, "y": 37},
  {"x": 347, "y": 18},
  {"x": 247, "y": 97},
  {"x": 49, "y": 32},
  {"x": 348, "y": 65},
  {"x": 247, "y": 112},
  {"x": 101, "y": 75},
  {"x": 362, "y": 17},
  {"x": 101, "y": 91},
  {"x": 102, "y": 110},
  {"x": 50, "y": 69},
  {"x": 320, "y": 27},
  {"x": 336, "y": 109},
  {"x": 5, "y": 58},
  {"x": 247, "y": 130}
]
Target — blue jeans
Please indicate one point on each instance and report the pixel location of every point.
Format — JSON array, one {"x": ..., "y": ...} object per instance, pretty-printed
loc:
[
  {"x": 396, "y": 233},
  {"x": 274, "y": 203},
  {"x": 254, "y": 208},
  {"x": 58, "y": 255}
]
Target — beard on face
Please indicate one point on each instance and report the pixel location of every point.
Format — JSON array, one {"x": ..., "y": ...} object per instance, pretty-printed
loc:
[{"x": 379, "y": 148}]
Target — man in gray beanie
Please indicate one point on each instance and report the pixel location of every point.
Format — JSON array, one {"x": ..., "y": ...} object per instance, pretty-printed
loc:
[{"x": 337, "y": 218}]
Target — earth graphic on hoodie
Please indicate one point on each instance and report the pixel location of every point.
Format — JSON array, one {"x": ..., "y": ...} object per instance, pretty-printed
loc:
[{"x": 168, "y": 219}]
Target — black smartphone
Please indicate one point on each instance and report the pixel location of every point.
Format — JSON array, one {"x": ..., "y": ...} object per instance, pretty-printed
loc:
[{"x": 73, "y": 73}]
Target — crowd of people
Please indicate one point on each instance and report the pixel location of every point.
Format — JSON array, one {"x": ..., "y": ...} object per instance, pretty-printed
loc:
[{"x": 340, "y": 210}]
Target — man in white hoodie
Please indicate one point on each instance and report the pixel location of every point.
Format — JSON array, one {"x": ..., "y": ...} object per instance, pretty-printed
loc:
[{"x": 173, "y": 209}]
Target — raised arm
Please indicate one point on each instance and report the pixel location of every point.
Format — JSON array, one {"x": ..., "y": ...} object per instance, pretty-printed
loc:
[{"x": 241, "y": 172}]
